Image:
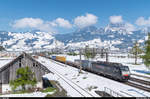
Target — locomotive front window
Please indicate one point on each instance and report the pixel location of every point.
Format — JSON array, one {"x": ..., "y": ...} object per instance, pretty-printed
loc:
[
  {"x": 124, "y": 68},
  {"x": 125, "y": 71}
]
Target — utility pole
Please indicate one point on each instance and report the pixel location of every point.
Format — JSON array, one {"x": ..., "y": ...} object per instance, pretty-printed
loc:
[
  {"x": 56, "y": 47},
  {"x": 106, "y": 55},
  {"x": 102, "y": 53},
  {"x": 80, "y": 62}
]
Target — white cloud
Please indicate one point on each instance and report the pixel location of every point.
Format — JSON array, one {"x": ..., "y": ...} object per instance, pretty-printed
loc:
[
  {"x": 63, "y": 23},
  {"x": 129, "y": 27},
  {"x": 143, "y": 22},
  {"x": 52, "y": 23},
  {"x": 115, "y": 19},
  {"x": 38, "y": 23},
  {"x": 118, "y": 19},
  {"x": 46, "y": 27},
  {"x": 35, "y": 23},
  {"x": 84, "y": 21},
  {"x": 27, "y": 22}
]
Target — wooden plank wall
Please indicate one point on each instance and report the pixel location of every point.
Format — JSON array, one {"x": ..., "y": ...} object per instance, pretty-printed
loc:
[{"x": 8, "y": 72}]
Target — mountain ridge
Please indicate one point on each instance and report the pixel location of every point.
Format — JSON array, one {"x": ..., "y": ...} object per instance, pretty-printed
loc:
[{"x": 112, "y": 36}]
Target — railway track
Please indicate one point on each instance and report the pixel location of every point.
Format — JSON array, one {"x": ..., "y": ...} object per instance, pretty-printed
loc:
[
  {"x": 76, "y": 87},
  {"x": 139, "y": 86},
  {"x": 140, "y": 81},
  {"x": 141, "y": 76}
]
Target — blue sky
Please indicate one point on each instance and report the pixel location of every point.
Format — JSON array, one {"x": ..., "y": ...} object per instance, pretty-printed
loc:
[{"x": 69, "y": 10}]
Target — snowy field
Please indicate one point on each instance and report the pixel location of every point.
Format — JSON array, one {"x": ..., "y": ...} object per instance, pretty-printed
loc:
[
  {"x": 34, "y": 94},
  {"x": 88, "y": 80}
]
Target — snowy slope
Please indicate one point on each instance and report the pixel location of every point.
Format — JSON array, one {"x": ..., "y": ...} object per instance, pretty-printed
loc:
[{"x": 27, "y": 40}]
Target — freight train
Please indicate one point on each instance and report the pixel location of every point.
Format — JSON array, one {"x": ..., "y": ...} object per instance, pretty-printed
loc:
[{"x": 116, "y": 71}]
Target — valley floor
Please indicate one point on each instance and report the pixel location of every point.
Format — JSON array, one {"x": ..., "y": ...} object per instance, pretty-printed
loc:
[{"x": 92, "y": 82}]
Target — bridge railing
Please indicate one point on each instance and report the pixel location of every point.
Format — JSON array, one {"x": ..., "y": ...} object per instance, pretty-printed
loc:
[{"x": 112, "y": 93}]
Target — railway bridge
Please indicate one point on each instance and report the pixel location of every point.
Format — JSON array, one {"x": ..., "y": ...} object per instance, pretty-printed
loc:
[{"x": 8, "y": 71}]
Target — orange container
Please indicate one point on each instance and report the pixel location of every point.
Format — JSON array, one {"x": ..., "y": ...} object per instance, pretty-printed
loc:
[
  {"x": 36, "y": 57},
  {"x": 41, "y": 55},
  {"x": 61, "y": 58}
]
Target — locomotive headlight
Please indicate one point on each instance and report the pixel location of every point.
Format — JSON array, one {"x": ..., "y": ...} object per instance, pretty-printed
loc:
[{"x": 125, "y": 73}]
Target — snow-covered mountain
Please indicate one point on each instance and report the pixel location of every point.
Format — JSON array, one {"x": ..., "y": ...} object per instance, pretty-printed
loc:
[
  {"x": 27, "y": 40},
  {"x": 113, "y": 35}
]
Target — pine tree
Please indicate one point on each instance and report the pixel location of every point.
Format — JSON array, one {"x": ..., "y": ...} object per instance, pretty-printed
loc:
[
  {"x": 136, "y": 51},
  {"x": 146, "y": 57}
]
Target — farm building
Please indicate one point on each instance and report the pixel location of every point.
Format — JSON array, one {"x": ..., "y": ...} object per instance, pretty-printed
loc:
[{"x": 8, "y": 71}]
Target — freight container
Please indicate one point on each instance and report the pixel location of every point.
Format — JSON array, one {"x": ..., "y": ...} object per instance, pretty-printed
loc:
[
  {"x": 41, "y": 55},
  {"x": 61, "y": 58},
  {"x": 35, "y": 56},
  {"x": 53, "y": 57},
  {"x": 86, "y": 64}
]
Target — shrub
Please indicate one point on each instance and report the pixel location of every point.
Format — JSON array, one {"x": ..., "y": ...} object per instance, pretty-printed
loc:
[
  {"x": 24, "y": 77},
  {"x": 49, "y": 89}
]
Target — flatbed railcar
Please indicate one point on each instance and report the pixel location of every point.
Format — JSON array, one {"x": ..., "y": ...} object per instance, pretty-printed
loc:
[{"x": 116, "y": 71}]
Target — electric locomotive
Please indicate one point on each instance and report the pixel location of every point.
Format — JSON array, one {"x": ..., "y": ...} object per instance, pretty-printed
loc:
[{"x": 116, "y": 71}]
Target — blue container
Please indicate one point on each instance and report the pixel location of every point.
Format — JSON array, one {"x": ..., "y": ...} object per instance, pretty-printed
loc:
[{"x": 54, "y": 57}]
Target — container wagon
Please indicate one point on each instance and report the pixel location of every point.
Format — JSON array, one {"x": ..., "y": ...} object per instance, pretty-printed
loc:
[
  {"x": 59, "y": 58},
  {"x": 86, "y": 64}
]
